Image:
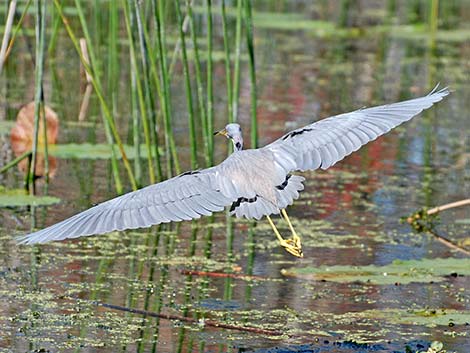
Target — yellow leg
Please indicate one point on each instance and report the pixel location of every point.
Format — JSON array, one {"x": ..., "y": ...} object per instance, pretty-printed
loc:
[
  {"x": 290, "y": 245},
  {"x": 295, "y": 238}
]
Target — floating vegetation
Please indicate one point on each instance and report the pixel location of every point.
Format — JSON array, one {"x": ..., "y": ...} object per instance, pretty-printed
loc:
[
  {"x": 19, "y": 198},
  {"x": 398, "y": 272},
  {"x": 90, "y": 151}
]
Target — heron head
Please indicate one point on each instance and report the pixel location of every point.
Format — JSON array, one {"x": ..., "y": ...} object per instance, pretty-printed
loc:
[{"x": 233, "y": 132}]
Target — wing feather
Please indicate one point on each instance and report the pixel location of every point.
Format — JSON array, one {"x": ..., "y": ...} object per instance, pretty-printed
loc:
[
  {"x": 325, "y": 142},
  {"x": 185, "y": 197}
]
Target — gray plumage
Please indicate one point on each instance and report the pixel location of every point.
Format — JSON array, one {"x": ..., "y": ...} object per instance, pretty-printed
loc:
[{"x": 253, "y": 183}]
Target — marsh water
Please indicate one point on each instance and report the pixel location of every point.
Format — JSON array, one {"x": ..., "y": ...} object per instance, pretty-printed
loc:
[{"x": 367, "y": 281}]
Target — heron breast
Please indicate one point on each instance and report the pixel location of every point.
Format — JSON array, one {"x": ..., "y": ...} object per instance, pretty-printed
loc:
[{"x": 249, "y": 174}]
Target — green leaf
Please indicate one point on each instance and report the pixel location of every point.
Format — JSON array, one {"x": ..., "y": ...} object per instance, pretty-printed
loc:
[{"x": 19, "y": 197}]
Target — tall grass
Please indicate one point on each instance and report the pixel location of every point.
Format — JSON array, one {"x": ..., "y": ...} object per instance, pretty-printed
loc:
[
  {"x": 189, "y": 93},
  {"x": 38, "y": 78},
  {"x": 199, "y": 86},
  {"x": 252, "y": 69},
  {"x": 170, "y": 146},
  {"x": 236, "y": 75},
  {"x": 110, "y": 126},
  {"x": 210, "y": 89},
  {"x": 140, "y": 91}
]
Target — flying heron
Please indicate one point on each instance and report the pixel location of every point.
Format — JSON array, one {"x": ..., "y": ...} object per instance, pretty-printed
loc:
[{"x": 253, "y": 182}]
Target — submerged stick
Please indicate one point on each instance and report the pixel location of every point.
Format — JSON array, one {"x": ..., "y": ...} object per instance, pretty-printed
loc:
[
  {"x": 421, "y": 221},
  {"x": 448, "y": 206},
  {"x": 205, "y": 322},
  {"x": 222, "y": 275},
  {"x": 448, "y": 243}
]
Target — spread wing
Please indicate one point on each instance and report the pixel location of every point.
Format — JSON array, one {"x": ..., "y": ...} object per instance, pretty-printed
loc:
[
  {"x": 325, "y": 142},
  {"x": 187, "y": 196}
]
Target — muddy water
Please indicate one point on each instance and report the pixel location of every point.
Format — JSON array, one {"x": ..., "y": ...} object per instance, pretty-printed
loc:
[{"x": 365, "y": 277}]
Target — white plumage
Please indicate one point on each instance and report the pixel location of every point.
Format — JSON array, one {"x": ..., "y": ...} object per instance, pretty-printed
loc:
[{"x": 253, "y": 183}]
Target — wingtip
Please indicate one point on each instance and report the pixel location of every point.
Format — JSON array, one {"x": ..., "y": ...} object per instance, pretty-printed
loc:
[
  {"x": 28, "y": 239},
  {"x": 22, "y": 240},
  {"x": 441, "y": 92}
]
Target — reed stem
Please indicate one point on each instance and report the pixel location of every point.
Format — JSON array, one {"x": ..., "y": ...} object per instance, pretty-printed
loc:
[
  {"x": 433, "y": 23},
  {"x": 251, "y": 54},
  {"x": 187, "y": 79},
  {"x": 236, "y": 74},
  {"x": 228, "y": 75},
  {"x": 14, "y": 162},
  {"x": 200, "y": 89},
  {"x": 15, "y": 31},
  {"x": 93, "y": 64},
  {"x": 158, "y": 85},
  {"x": 210, "y": 90},
  {"x": 46, "y": 147},
  {"x": 6, "y": 34},
  {"x": 140, "y": 93},
  {"x": 170, "y": 147},
  {"x": 107, "y": 113},
  {"x": 55, "y": 20},
  {"x": 39, "y": 72},
  {"x": 146, "y": 54}
]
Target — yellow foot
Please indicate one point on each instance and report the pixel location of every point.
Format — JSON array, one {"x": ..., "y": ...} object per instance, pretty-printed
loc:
[
  {"x": 293, "y": 247},
  {"x": 295, "y": 241}
]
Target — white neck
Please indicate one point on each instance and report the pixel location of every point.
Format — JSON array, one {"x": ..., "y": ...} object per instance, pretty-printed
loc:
[{"x": 237, "y": 144}]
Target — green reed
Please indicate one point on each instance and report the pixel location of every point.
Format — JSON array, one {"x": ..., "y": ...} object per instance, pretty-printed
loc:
[
  {"x": 15, "y": 161},
  {"x": 189, "y": 95},
  {"x": 199, "y": 86},
  {"x": 140, "y": 92},
  {"x": 230, "y": 119},
  {"x": 236, "y": 74},
  {"x": 108, "y": 117},
  {"x": 113, "y": 59},
  {"x": 170, "y": 146},
  {"x": 252, "y": 68},
  {"x": 94, "y": 65},
  {"x": 228, "y": 75},
  {"x": 146, "y": 53},
  {"x": 56, "y": 22},
  {"x": 210, "y": 89},
  {"x": 433, "y": 23},
  {"x": 154, "y": 82},
  {"x": 6, "y": 47},
  {"x": 38, "y": 89}
]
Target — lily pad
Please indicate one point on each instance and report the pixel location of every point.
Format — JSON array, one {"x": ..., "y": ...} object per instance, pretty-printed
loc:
[
  {"x": 425, "y": 270},
  {"x": 91, "y": 151},
  {"x": 425, "y": 317},
  {"x": 19, "y": 197}
]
